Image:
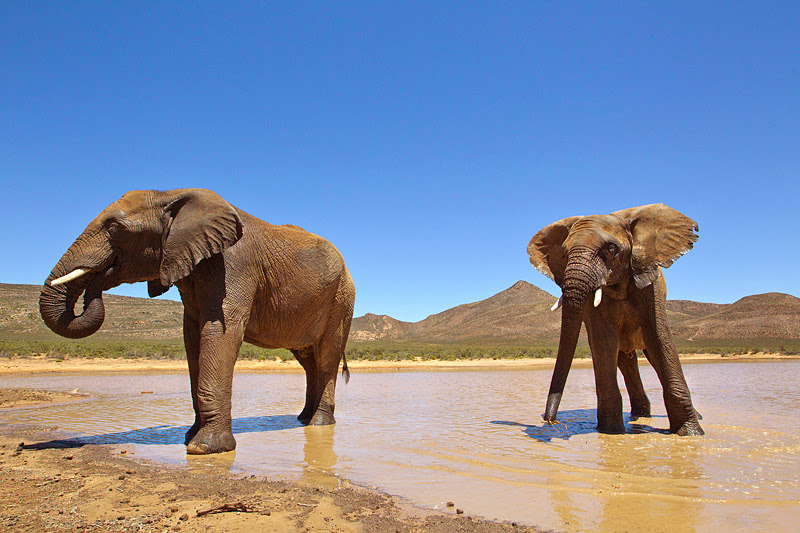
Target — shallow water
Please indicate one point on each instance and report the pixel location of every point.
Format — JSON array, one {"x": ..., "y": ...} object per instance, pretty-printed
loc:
[{"x": 477, "y": 438}]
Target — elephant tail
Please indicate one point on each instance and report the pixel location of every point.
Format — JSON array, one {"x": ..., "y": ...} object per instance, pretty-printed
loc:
[{"x": 345, "y": 370}]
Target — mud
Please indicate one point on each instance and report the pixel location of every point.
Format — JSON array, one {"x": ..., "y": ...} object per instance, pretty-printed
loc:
[{"x": 48, "y": 483}]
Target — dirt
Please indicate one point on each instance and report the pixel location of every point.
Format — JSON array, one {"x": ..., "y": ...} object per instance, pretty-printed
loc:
[{"x": 51, "y": 484}]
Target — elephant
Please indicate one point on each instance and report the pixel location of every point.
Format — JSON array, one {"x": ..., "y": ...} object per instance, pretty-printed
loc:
[
  {"x": 240, "y": 279},
  {"x": 614, "y": 261}
]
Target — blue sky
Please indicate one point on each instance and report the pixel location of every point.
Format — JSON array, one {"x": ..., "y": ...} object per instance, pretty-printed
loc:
[{"x": 427, "y": 140}]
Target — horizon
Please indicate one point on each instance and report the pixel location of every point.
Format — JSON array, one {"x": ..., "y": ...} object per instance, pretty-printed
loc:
[
  {"x": 427, "y": 142},
  {"x": 355, "y": 315}
]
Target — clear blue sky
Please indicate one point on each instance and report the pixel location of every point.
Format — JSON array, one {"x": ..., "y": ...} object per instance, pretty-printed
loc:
[{"x": 427, "y": 140}]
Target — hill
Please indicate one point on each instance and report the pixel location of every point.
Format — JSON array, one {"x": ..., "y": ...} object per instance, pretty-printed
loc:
[
  {"x": 126, "y": 317},
  {"x": 519, "y": 315},
  {"x": 762, "y": 316}
]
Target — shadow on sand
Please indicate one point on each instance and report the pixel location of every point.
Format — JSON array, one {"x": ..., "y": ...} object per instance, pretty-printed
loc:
[
  {"x": 578, "y": 422},
  {"x": 170, "y": 434}
]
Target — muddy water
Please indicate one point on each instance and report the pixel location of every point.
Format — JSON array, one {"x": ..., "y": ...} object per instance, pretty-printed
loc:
[{"x": 476, "y": 438}]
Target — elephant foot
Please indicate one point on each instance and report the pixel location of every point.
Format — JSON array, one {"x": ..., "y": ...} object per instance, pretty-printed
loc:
[
  {"x": 305, "y": 416},
  {"x": 640, "y": 411},
  {"x": 611, "y": 425},
  {"x": 691, "y": 427},
  {"x": 191, "y": 433},
  {"x": 323, "y": 417},
  {"x": 206, "y": 442}
]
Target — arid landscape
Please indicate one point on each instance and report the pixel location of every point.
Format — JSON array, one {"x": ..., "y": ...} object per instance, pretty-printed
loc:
[
  {"x": 49, "y": 483},
  {"x": 516, "y": 322}
]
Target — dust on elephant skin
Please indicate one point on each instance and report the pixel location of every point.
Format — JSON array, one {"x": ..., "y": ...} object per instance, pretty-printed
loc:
[{"x": 240, "y": 279}]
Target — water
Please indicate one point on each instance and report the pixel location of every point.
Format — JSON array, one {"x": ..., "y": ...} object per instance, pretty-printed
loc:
[{"x": 477, "y": 438}]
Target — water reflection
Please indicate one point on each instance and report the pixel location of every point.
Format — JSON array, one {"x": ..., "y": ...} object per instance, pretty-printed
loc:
[
  {"x": 477, "y": 439},
  {"x": 218, "y": 463},
  {"x": 319, "y": 459}
]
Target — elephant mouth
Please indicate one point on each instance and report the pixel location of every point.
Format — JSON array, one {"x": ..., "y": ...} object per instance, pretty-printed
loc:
[{"x": 85, "y": 276}]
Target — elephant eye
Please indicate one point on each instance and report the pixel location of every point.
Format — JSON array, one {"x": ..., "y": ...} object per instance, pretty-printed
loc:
[
  {"x": 115, "y": 228},
  {"x": 610, "y": 251}
]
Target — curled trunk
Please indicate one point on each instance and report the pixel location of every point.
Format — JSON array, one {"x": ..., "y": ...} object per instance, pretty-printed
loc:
[{"x": 57, "y": 304}]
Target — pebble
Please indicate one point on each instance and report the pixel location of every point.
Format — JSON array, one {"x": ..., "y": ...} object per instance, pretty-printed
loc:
[
  {"x": 450, "y": 504},
  {"x": 184, "y": 517}
]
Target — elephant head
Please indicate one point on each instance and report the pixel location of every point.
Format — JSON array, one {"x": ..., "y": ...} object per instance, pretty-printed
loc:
[
  {"x": 612, "y": 254},
  {"x": 152, "y": 236}
]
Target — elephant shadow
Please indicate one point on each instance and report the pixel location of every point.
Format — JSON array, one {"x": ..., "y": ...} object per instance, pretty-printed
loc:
[
  {"x": 169, "y": 434},
  {"x": 578, "y": 422}
]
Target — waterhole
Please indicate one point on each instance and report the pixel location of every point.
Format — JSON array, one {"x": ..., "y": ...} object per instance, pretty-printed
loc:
[{"x": 477, "y": 438}]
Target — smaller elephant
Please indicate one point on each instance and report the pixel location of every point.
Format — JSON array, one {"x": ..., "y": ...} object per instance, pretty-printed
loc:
[
  {"x": 609, "y": 270},
  {"x": 240, "y": 279}
]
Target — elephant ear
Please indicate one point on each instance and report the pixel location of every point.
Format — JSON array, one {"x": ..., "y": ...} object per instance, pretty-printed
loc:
[
  {"x": 197, "y": 224},
  {"x": 546, "y": 249},
  {"x": 659, "y": 235}
]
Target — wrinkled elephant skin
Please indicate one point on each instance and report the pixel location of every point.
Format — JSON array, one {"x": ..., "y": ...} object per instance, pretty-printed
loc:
[
  {"x": 240, "y": 279},
  {"x": 609, "y": 270}
]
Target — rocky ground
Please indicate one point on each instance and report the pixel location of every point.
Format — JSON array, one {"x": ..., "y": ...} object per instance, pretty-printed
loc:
[{"x": 48, "y": 484}]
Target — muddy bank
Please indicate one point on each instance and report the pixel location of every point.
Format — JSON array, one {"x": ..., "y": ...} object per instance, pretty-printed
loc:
[
  {"x": 51, "y": 484},
  {"x": 44, "y": 364}
]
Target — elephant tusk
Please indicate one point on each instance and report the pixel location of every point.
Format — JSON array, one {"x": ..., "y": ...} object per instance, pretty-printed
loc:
[
  {"x": 557, "y": 305},
  {"x": 598, "y": 296},
  {"x": 75, "y": 274}
]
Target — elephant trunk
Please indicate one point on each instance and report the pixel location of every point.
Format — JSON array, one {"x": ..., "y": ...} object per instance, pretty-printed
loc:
[
  {"x": 581, "y": 279},
  {"x": 57, "y": 303}
]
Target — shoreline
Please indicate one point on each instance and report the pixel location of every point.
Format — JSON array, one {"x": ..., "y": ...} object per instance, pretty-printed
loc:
[
  {"x": 49, "y": 483},
  {"x": 45, "y": 364}
]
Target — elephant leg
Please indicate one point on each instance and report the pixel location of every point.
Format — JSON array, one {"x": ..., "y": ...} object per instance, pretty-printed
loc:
[
  {"x": 306, "y": 359},
  {"x": 327, "y": 356},
  {"x": 191, "y": 342},
  {"x": 629, "y": 367},
  {"x": 219, "y": 347},
  {"x": 662, "y": 354},
  {"x": 604, "y": 345}
]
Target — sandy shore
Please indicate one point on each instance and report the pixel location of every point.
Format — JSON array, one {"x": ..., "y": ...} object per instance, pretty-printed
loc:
[
  {"x": 44, "y": 364},
  {"x": 49, "y": 484}
]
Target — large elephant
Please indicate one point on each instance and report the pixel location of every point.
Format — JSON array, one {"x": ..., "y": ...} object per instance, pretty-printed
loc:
[
  {"x": 240, "y": 279},
  {"x": 609, "y": 271}
]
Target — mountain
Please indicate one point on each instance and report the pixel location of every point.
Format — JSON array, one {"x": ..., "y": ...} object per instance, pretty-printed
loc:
[
  {"x": 519, "y": 314},
  {"x": 761, "y": 316},
  {"x": 522, "y": 313}
]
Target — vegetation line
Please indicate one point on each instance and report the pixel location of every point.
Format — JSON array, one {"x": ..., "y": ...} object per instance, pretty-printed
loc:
[{"x": 366, "y": 351}]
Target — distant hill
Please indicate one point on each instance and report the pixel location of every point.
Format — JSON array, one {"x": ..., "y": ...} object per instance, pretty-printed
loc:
[
  {"x": 517, "y": 315},
  {"x": 522, "y": 313},
  {"x": 126, "y": 317},
  {"x": 771, "y": 315}
]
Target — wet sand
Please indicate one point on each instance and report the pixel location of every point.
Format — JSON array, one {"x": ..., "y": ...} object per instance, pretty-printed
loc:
[
  {"x": 48, "y": 484},
  {"x": 45, "y": 364}
]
